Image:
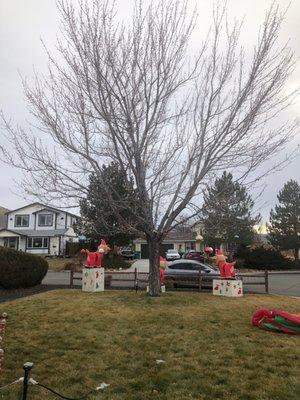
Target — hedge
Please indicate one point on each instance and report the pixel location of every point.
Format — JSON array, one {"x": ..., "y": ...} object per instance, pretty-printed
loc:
[
  {"x": 263, "y": 258},
  {"x": 20, "y": 270}
]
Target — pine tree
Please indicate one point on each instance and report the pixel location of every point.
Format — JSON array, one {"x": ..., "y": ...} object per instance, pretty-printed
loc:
[
  {"x": 285, "y": 219},
  {"x": 98, "y": 218},
  {"x": 227, "y": 214}
]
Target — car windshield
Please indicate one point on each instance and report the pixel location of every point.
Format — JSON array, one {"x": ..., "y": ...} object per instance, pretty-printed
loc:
[
  {"x": 211, "y": 267},
  {"x": 172, "y": 251}
]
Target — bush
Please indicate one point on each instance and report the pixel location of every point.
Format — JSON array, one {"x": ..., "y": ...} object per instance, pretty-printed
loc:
[
  {"x": 266, "y": 259},
  {"x": 20, "y": 270}
]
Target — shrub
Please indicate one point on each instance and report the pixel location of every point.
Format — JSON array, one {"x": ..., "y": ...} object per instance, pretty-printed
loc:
[
  {"x": 239, "y": 263},
  {"x": 20, "y": 270},
  {"x": 266, "y": 259}
]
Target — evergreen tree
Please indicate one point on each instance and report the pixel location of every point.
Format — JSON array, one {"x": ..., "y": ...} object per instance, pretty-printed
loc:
[
  {"x": 227, "y": 214},
  {"x": 99, "y": 219},
  {"x": 285, "y": 219}
]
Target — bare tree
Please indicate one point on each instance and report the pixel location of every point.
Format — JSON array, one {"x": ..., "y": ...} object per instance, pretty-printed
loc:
[{"x": 130, "y": 93}]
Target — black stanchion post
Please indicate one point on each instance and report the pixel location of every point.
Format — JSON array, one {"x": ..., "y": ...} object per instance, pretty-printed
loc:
[{"x": 27, "y": 368}]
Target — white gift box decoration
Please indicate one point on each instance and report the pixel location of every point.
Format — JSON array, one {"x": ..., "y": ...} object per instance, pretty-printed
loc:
[
  {"x": 228, "y": 287},
  {"x": 93, "y": 279}
]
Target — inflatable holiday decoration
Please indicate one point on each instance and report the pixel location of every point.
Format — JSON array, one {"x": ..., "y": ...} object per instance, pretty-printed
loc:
[
  {"x": 95, "y": 258},
  {"x": 228, "y": 285},
  {"x": 208, "y": 250},
  {"x": 226, "y": 269},
  {"x": 103, "y": 247},
  {"x": 162, "y": 262},
  {"x": 277, "y": 321},
  {"x": 93, "y": 273}
]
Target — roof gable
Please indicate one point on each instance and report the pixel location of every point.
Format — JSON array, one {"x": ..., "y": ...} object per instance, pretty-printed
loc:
[{"x": 44, "y": 207}]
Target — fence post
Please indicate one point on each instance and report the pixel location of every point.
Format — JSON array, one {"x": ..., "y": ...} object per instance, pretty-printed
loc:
[
  {"x": 136, "y": 282},
  {"x": 27, "y": 368},
  {"x": 267, "y": 281},
  {"x": 71, "y": 278},
  {"x": 200, "y": 280}
]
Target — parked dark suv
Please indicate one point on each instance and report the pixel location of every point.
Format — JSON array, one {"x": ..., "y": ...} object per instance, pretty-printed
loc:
[{"x": 186, "y": 273}]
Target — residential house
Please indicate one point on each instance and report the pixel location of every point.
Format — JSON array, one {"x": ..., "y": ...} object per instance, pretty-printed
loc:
[
  {"x": 39, "y": 229},
  {"x": 187, "y": 240}
]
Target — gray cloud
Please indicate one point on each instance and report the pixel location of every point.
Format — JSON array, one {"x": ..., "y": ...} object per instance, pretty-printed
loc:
[{"x": 23, "y": 23}]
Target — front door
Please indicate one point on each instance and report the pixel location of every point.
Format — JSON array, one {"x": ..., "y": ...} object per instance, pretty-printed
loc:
[{"x": 11, "y": 242}]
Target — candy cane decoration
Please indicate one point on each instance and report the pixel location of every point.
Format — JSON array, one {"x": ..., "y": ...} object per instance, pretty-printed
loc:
[{"x": 2, "y": 331}]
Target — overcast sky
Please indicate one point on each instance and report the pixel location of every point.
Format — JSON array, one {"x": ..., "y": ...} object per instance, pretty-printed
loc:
[{"x": 24, "y": 22}]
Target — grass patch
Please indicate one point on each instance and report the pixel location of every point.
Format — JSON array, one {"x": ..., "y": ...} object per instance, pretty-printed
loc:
[{"x": 78, "y": 340}]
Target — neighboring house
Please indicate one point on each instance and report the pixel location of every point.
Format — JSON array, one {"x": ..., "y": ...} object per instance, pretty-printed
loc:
[
  {"x": 186, "y": 240},
  {"x": 3, "y": 217},
  {"x": 39, "y": 229}
]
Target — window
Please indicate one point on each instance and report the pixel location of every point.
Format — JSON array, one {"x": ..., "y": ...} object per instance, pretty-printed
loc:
[
  {"x": 73, "y": 220},
  {"x": 11, "y": 242},
  {"x": 37, "y": 242},
  {"x": 183, "y": 266},
  {"x": 21, "y": 220},
  {"x": 45, "y": 219}
]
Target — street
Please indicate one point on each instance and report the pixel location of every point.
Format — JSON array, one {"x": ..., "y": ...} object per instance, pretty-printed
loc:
[{"x": 287, "y": 284}]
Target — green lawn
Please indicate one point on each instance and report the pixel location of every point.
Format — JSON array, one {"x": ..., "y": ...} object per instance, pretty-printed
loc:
[{"x": 78, "y": 340}]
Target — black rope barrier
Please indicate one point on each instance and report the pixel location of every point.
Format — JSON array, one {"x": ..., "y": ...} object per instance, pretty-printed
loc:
[
  {"x": 27, "y": 381},
  {"x": 65, "y": 397}
]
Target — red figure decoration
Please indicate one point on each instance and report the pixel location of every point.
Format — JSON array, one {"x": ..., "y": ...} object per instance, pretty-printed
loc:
[
  {"x": 208, "y": 250},
  {"x": 226, "y": 269},
  {"x": 95, "y": 258}
]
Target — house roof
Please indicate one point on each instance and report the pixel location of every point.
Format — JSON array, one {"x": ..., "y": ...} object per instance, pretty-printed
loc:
[
  {"x": 37, "y": 233},
  {"x": 46, "y": 232},
  {"x": 174, "y": 237},
  {"x": 9, "y": 230},
  {"x": 45, "y": 207}
]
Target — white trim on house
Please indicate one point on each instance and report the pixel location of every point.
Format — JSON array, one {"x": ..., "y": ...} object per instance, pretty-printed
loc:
[{"x": 52, "y": 237}]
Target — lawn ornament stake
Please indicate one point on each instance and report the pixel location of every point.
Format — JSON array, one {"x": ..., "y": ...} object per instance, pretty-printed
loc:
[
  {"x": 93, "y": 273},
  {"x": 3, "y": 319}
]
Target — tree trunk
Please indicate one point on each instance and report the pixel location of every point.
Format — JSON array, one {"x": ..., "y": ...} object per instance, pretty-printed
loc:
[
  {"x": 154, "y": 281},
  {"x": 296, "y": 254}
]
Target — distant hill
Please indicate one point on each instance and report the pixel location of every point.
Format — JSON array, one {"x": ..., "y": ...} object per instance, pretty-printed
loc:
[{"x": 3, "y": 217}]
